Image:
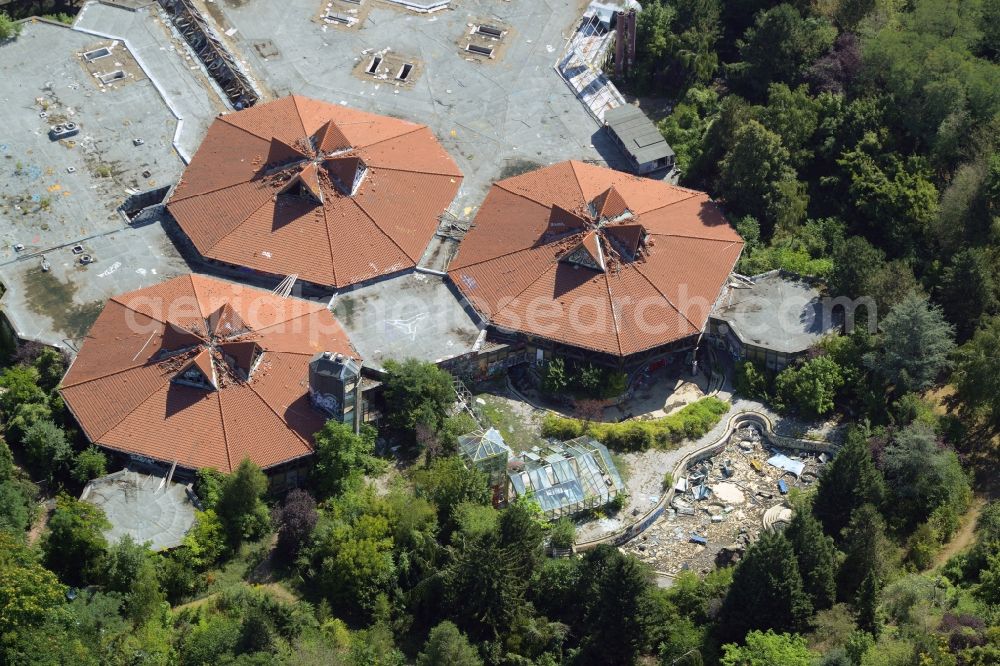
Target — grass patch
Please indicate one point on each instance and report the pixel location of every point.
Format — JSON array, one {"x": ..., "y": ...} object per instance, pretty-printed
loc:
[
  {"x": 520, "y": 433},
  {"x": 691, "y": 422}
]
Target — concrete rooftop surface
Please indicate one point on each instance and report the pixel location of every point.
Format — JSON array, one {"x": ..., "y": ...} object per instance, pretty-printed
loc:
[
  {"x": 779, "y": 312},
  {"x": 56, "y": 194},
  {"x": 414, "y": 315},
  {"x": 497, "y": 117},
  {"x": 143, "y": 506}
]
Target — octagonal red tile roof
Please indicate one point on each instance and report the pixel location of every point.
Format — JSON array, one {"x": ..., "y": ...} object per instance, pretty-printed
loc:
[
  {"x": 595, "y": 258},
  {"x": 268, "y": 189},
  {"x": 204, "y": 372}
]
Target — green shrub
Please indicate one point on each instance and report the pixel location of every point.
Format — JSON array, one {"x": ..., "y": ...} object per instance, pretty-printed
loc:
[
  {"x": 751, "y": 380},
  {"x": 561, "y": 428},
  {"x": 90, "y": 463},
  {"x": 8, "y": 28},
  {"x": 690, "y": 422},
  {"x": 563, "y": 534}
]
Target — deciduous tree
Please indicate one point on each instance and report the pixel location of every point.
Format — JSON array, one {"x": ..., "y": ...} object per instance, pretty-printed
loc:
[
  {"x": 296, "y": 520},
  {"x": 810, "y": 388},
  {"x": 447, "y": 646},
  {"x": 241, "y": 505},
  {"x": 768, "y": 649},
  {"x": 342, "y": 458},
  {"x": 977, "y": 375},
  {"x": 131, "y": 571},
  {"x": 74, "y": 546}
]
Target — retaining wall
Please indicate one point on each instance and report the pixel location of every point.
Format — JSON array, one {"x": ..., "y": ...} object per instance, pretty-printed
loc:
[{"x": 736, "y": 421}]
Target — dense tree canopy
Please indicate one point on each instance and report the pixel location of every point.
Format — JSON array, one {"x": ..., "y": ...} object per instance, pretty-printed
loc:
[
  {"x": 342, "y": 458},
  {"x": 915, "y": 346},
  {"x": 768, "y": 580},
  {"x": 417, "y": 394},
  {"x": 75, "y": 546}
]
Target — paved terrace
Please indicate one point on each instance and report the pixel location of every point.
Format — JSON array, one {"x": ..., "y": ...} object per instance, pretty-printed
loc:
[
  {"x": 497, "y": 117},
  {"x": 55, "y": 195}
]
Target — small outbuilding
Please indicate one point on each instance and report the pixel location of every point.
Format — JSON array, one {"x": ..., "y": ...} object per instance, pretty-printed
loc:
[
  {"x": 487, "y": 452},
  {"x": 639, "y": 139}
]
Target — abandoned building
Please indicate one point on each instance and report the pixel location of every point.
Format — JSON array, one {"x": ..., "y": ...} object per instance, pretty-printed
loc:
[
  {"x": 582, "y": 261},
  {"x": 640, "y": 140},
  {"x": 202, "y": 372},
  {"x": 772, "y": 318},
  {"x": 333, "y": 195}
]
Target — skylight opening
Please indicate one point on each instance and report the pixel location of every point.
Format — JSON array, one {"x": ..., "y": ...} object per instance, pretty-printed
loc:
[
  {"x": 480, "y": 50},
  {"x": 112, "y": 77},
  {"x": 404, "y": 71},
  {"x": 490, "y": 31},
  {"x": 373, "y": 65},
  {"x": 97, "y": 54}
]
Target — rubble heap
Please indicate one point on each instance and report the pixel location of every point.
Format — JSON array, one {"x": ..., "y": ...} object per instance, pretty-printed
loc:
[{"x": 719, "y": 506}]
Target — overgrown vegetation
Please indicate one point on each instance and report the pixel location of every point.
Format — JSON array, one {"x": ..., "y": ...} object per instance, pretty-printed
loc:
[
  {"x": 582, "y": 380},
  {"x": 690, "y": 422}
]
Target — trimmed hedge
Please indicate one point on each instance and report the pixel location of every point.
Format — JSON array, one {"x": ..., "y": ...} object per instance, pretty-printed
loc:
[{"x": 690, "y": 422}]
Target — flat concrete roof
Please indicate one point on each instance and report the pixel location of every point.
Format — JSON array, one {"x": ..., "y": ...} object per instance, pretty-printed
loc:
[
  {"x": 496, "y": 117},
  {"x": 779, "y": 311},
  {"x": 638, "y": 134},
  {"x": 143, "y": 506},
  {"x": 164, "y": 56},
  {"x": 414, "y": 315},
  {"x": 55, "y": 194},
  {"x": 57, "y": 307}
]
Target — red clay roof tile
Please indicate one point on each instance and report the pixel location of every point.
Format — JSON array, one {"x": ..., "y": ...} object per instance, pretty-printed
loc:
[
  {"x": 665, "y": 263},
  {"x": 120, "y": 386},
  {"x": 239, "y": 199}
]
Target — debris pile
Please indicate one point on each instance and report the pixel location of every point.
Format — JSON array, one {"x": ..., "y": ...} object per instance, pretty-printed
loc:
[{"x": 719, "y": 507}]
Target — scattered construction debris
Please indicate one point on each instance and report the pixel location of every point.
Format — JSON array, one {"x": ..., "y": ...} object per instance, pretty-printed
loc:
[
  {"x": 221, "y": 65},
  {"x": 723, "y": 503}
]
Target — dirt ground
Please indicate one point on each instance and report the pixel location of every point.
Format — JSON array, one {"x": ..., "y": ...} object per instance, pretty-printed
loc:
[
  {"x": 45, "y": 510},
  {"x": 643, "y": 475},
  {"x": 664, "y": 395},
  {"x": 965, "y": 535}
]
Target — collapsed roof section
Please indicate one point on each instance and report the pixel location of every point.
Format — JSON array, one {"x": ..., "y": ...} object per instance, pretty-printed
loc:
[
  {"x": 595, "y": 258},
  {"x": 298, "y": 186},
  {"x": 203, "y": 372}
]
